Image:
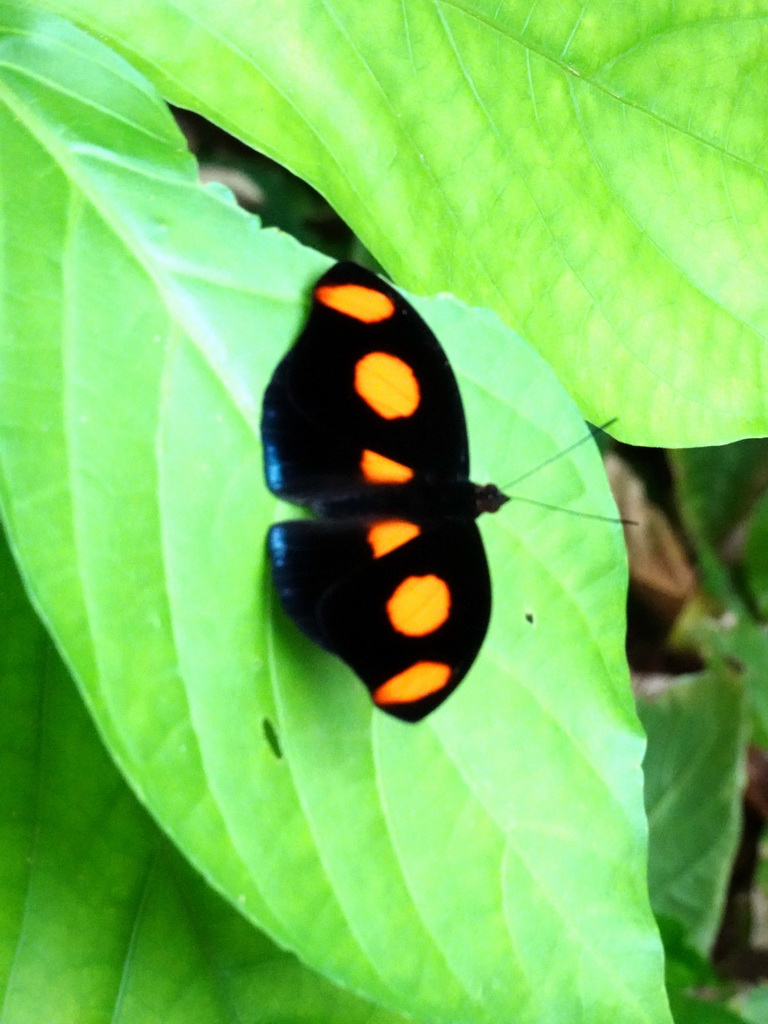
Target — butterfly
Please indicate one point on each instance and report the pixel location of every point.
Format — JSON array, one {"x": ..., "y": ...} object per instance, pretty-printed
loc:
[{"x": 363, "y": 425}]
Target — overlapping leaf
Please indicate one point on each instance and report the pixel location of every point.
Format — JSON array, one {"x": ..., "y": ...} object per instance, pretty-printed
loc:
[{"x": 593, "y": 171}]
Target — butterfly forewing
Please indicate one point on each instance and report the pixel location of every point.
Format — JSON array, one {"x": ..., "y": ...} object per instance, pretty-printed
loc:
[{"x": 359, "y": 400}]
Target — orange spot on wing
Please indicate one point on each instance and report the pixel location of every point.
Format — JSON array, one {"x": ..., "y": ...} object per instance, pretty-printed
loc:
[
  {"x": 389, "y": 534},
  {"x": 387, "y": 384},
  {"x": 365, "y": 304},
  {"x": 420, "y": 680},
  {"x": 378, "y": 469},
  {"x": 419, "y": 605}
]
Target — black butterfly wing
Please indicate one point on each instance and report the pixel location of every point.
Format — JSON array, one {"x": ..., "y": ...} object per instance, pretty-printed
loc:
[
  {"x": 366, "y": 380},
  {"x": 409, "y": 622},
  {"x": 309, "y": 557}
]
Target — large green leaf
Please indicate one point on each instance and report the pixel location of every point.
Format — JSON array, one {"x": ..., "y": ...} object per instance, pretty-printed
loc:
[
  {"x": 101, "y": 920},
  {"x": 694, "y": 775},
  {"x": 594, "y": 171},
  {"x": 486, "y": 865}
]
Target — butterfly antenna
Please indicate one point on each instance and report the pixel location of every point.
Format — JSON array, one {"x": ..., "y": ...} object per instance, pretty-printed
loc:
[
  {"x": 557, "y": 508},
  {"x": 560, "y": 454},
  {"x": 574, "y": 512}
]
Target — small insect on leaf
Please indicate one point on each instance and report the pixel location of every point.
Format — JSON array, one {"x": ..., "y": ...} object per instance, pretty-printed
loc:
[{"x": 270, "y": 735}]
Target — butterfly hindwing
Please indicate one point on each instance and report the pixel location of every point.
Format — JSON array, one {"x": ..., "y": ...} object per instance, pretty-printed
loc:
[
  {"x": 410, "y": 623},
  {"x": 365, "y": 396},
  {"x": 405, "y": 605},
  {"x": 309, "y": 557}
]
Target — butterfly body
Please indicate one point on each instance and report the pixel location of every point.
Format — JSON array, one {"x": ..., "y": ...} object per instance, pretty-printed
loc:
[{"x": 363, "y": 425}]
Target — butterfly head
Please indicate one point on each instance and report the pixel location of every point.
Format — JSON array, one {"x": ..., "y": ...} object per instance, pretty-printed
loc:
[{"x": 488, "y": 498}]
